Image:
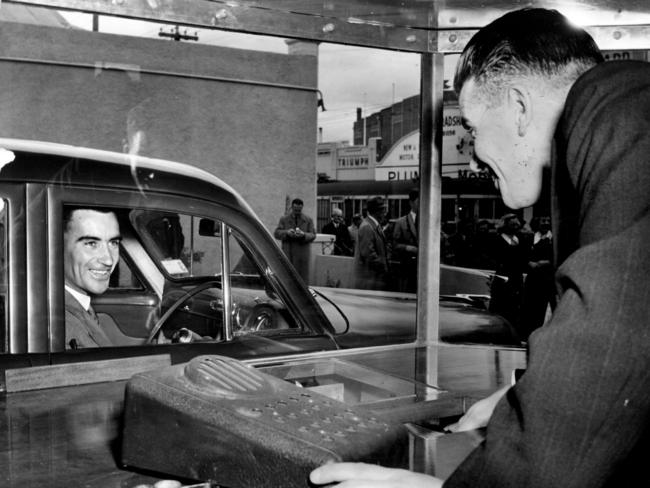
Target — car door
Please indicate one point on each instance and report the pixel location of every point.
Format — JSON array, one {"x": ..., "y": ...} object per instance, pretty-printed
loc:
[{"x": 192, "y": 270}]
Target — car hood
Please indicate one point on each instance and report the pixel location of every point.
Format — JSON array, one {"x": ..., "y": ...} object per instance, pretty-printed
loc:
[{"x": 369, "y": 317}]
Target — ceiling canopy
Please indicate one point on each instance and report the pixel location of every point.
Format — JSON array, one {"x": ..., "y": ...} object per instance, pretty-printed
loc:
[{"x": 409, "y": 25}]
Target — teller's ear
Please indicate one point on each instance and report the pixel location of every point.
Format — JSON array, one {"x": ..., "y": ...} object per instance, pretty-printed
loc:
[{"x": 520, "y": 102}]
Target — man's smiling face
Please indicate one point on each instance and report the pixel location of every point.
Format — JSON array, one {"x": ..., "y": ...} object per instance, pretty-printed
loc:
[
  {"x": 91, "y": 250},
  {"x": 507, "y": 142}
]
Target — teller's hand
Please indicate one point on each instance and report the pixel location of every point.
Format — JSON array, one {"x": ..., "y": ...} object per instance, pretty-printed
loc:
[
  {"x": 478, "y": 414},
  {"x": 360, "y": 475}
]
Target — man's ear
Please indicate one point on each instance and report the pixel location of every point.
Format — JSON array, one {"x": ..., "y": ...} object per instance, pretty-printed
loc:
[{"x": 520, "y": 102}]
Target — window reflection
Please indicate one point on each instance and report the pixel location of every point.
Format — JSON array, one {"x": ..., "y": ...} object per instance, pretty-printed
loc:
[{"x": 253, "y": 119}]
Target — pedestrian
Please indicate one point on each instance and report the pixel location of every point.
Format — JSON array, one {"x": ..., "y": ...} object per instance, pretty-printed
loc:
[
  {"x": 510, "y": 255},
  {"x": 405, "y": 245},
  {"x": 353, "y": 229},
  {"x": 371, "y": 260},
  {"x": 296, "y": 231},
  {"x": 342, "y": 241},
  {"x": 539, "y": 288}
]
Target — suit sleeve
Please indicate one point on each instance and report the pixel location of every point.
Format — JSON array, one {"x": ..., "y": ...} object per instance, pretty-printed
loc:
[
  {"x": 310, "y": 233},
  {"x": 400, "y": 241},
  {"x": 281, "y": 230},
  {"x": 368, "y": 250},
  {"x": 581, "y": 410}
]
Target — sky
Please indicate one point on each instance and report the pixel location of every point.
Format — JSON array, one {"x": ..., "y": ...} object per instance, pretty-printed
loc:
[{"x": 349, "y": 77}]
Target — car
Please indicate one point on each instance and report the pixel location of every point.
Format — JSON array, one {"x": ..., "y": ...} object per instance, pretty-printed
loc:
[
  {"x": 198, "y": 271},
  {"x": 198, "y": 276}
]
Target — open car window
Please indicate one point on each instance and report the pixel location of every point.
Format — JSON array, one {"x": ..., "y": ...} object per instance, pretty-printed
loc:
[{"x": 168, "y": 284}]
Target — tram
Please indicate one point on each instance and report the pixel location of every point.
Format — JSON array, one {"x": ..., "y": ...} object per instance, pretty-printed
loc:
[{"x": 470, "y": 198}]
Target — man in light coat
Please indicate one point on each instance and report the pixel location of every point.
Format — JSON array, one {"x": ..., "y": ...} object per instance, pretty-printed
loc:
[{"x": 296, "y": 231}]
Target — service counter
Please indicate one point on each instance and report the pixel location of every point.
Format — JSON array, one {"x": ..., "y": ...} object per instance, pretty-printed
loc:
[{"x": 71, "y": 436}]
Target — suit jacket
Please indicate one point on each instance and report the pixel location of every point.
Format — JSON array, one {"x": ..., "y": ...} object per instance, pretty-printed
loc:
[
  {"x": 343, "y": 244},
  {"x": 579, "y": 416},
  {"x": 81, "y": 327},
  {"x": 371, "y": 260},
  {"x": 404, "y": 234},
  {"x": 296, "y": 249}
]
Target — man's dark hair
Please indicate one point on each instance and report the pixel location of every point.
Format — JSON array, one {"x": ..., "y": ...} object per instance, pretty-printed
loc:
[
  {"x": 375, "y": 203},
  {"x": 69, "y": 210},
  {"x": 413, "y": 194},
  {"x": 297, "y": 201},
  {"x": 531, "y": 41}
]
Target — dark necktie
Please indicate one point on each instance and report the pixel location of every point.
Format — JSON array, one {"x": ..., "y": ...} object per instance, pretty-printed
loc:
[
  {"x": 96, "y": 331},
  {"x": 93, "y": 315}
]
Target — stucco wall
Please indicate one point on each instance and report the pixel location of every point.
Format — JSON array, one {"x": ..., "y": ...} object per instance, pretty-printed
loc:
[{"x": 248, "y": 117}]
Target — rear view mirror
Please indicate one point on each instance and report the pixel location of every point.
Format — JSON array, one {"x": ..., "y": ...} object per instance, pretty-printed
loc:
[{"x": 209, "y": 228}]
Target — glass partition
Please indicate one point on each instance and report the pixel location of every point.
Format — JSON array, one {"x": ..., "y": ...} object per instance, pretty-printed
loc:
[{"x": 321, "y": 140}]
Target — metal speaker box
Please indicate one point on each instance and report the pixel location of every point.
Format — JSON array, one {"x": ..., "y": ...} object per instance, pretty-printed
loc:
[{"x": 216, "y": 419}]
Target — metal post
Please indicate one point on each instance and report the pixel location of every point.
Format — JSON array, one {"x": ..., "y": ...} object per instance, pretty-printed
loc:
[
  {"x": 431, "y": 90},
  {"x": 225, "y": 282}
]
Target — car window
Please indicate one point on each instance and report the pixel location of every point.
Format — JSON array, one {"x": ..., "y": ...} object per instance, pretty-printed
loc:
[
  {"x": 168, "y": 283},
  {"x": 257, "y": 306},
  {"x": 165, "y": 235},
  {"x": 190, "y": 252},
  {"x": 124, "y": 278}
]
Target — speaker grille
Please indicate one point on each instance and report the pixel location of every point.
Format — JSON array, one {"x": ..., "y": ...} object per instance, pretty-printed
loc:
[{"x": 224, "y": 376}]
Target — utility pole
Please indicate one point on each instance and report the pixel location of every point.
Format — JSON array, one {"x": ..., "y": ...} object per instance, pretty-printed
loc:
[
  {"x": 365, "y": 120},
  {"x": 392, "y": 118},
  {"x": 175, "y": 34}
]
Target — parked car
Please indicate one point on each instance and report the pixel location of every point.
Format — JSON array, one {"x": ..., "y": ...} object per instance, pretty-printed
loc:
[
  {"x": 198, "y": 275},
  {"x": 193, "y": 257}
]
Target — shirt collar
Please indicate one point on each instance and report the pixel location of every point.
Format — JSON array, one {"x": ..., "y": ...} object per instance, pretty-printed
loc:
[
  {"x": 82, "y": 298},
  {"x": 512, "y": 240}
]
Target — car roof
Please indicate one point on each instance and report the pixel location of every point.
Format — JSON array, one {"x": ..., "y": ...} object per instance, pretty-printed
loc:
[{"x": 74, "y": 165}]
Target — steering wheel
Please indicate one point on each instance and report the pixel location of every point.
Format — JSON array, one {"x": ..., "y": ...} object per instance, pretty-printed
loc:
[
  {"x": 179, "y": 301},
  {"x": 262, "y": 317}
]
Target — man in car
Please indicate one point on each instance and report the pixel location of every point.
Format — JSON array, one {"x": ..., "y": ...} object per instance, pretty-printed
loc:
[
  {"x": 537, "y": 97},
  {"x": 91, "y": 240}
]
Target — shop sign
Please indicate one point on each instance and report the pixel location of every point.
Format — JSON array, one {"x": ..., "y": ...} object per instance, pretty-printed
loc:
[{"x": 401, "y": 162}]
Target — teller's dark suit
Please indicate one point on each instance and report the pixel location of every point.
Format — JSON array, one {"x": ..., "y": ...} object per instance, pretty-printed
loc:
[
  {"x": 580, "y": 415},
  {"x": 81, "y": 327},
  {"x": 371, "y": 260},
  {"x": 405, "y": 234}
]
